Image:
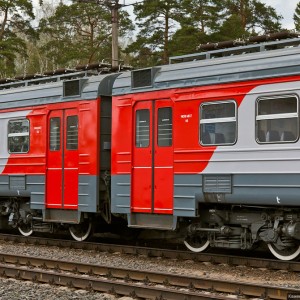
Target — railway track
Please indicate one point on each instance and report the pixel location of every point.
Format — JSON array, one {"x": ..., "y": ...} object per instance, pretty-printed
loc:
[
  {"x": 254, "y": 262},
  {"x": 123, "y": 281},
  {"x": 149, "y": 285}
]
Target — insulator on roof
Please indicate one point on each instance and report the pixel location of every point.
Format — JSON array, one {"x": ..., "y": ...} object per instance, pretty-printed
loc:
[
  {"x": 7, "y": 80},
  {"x": 267, "y": 42},
  {"x": 250, "y": 40},
  {"x": 28, "y": 76},
  {"x": 102, "y": 67}
]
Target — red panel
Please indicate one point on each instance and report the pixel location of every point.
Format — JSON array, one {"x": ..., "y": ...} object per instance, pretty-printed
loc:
[
  {"x": 54, "y": 174},
  {"x": 163, "y": 167},
  {"x": 189, "y": 156},
  {"x": 122, "y": 125},
  {"x": 89, "y": 141},
  {"x": 152, "y": 169},
  {"x": 62, "y": 162},
  {"x": 34, "y": 162},
  {"x": 70, "y": 167},
  {"x": 141, "y": 195}
]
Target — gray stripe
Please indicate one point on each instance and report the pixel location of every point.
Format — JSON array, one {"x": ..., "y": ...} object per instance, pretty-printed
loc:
[
  {"x": 88, "y": 193},
  {"x": 120, "y": 194},
  {"x": 282, "y": 62},
  {"x": 52, "y": 92}
]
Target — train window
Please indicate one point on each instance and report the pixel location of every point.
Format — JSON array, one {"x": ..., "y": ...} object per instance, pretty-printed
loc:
[
  {"x": 142, "y": 128},
  {"x": 72, "y": 133},
  {"x": 277, "y": 119},
  {"x": 218, "y": 123},
  {"x": 18, "y": 136},
  {"x": 54, "y": 134},
  {"x": 165, "y": 127}
]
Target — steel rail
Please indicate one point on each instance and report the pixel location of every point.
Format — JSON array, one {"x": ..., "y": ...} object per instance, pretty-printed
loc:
[
  {"x": 102, "y": 285},
  {"x": 255, "y": 262},
  {"x": 124, "y": 280}
]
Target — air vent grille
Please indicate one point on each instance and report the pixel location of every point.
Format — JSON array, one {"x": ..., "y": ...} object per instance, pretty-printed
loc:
[
  {"x": 72, "y": 88},
  {"x": 141, "y": 78},
  {"x": 217, "y": 184}
]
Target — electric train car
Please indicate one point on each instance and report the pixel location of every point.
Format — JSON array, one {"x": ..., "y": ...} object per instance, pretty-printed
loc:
[
  {"x": 55, "y": 152},
  {"x": 206, "y": 148},
  {"x": 212, "y": 146}
]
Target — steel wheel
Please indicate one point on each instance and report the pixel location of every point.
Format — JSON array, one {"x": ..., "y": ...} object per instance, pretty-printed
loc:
[
  {"x": 80, "y": 232},
  {"x": 25, "y": 229},
  {"x": 196, "y": 243},
  {"x": 287, "y": 253}
]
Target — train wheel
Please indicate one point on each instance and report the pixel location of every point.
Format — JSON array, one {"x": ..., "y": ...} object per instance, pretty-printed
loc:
[
  {"x": 196, "y": 243},
  {"x": 287, "y": 253},
  {"x": 80, "y": 232},
  {"x": 25, "y": 229}
]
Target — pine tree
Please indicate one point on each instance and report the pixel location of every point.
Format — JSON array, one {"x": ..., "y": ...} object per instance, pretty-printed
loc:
[
  {"x": 255, "y": 16},
  {"x": 198, "y": 20},
  {"x": 296, "y": 17},
  {"x": 156, "y": 23},
  {"x": 231, "y": 29},
  {"x": 79, "y": 33},
  {"x": 15, "y": 29},
  {"x": 204, "y": 15}
]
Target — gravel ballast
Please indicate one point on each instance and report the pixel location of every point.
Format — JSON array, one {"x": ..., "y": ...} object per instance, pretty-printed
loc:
[{"x": 15, "y": 289}]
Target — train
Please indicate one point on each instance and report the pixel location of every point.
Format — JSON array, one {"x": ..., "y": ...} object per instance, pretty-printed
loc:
[{"x": 206, "y": 148}]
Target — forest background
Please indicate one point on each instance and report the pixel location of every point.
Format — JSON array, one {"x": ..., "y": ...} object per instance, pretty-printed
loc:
[{"x": 63, "y": 34}]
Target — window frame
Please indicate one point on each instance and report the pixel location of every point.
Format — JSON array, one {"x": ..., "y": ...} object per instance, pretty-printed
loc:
[
  {"x": 18, "y": 134},
  {"x": 219, "y": 120},
  {"x": 273, "y": 117},
  {"x": 50, "y": 138},
  {"x": 159, "y": 139},
  {"x": 137, "y": 136},
  {"x": 69, "y": 143}
]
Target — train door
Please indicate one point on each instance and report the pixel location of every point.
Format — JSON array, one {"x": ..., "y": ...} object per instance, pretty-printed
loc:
[
  {"x": 152, "y": 170},
  {"x": 62, "y": 160}
]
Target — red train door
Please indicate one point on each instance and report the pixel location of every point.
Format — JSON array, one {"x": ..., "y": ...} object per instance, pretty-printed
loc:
[
  {"x": 152, "y": 170},
  {"x": 163, "y": 158},
  {"x": 62, "y": 160}
]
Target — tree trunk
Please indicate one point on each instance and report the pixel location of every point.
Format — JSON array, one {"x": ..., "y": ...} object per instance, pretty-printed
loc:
[{"x": 166, "y": 40}]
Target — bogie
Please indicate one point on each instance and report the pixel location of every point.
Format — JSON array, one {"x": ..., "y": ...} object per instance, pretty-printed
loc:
[{"x": 224, "y": 229}]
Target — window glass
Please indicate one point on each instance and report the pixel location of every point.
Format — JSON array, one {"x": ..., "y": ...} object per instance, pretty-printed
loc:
[
  {"x": 218, "y": 110},
  {"x": 72, "y": 133},
  {"x": 277, "y": 106},
  {"x": 277, "y": 119},
  {"x": 142, "y": 128},
  {"x": 218, "y": 123},
  {"x": 54, "y": 134},
  {"x": 165, "y": 126},
  {"x": 18, "y": 136}
]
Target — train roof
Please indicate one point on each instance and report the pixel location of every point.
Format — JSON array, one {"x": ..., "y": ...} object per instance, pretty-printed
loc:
[
  {"x": 210, "y": 68},
  {"x": 55, "y": 89}
]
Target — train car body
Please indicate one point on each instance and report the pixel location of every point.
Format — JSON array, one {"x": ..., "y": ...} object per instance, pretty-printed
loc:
[
  {"x": 213, "y": 144},
  {"x": 207, "y": 149},
  {"x": 55, "y": 151}
]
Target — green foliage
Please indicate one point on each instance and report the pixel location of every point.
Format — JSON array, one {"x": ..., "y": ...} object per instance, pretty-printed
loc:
[
  {"x": 173, "y": 27},
  {"x": 199, "y": 19},
  {"x": 255, "y": 16},
  {"x": 15, "y": 28},
  {"x": 204, "y": 15},
  {"x": 186, "y": 40},
  {"x": 296, "y": 17},
  {"x": 231, "y": 29},
  {"x": 79, "y": 33},
  {"x": 156, "y": 23}
]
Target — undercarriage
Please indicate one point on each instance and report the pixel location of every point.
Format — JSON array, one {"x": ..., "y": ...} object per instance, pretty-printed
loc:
[{"x": 244, "y": 227}]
